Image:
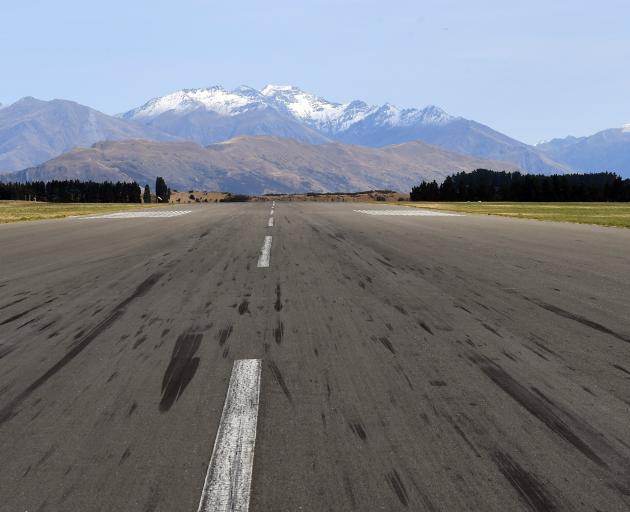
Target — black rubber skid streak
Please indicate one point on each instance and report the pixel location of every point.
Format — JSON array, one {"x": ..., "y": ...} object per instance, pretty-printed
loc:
[
  {"x": 277, "y": 375},
  {"x": 80, "y": 345},
  {"x": 580, "y": 319},
  {"x": 538, "y": 407},
  {"x": 181, "y": 369},
  {"x": 526, "y": 485}
]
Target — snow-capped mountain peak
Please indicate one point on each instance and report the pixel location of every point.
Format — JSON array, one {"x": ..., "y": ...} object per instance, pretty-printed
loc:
[
  {"x": 311, "y": 110},
  {"x": 214, "y": 99},
  {"x": 304, "y": 106},
  {"x": 435, "y": 115},
  {"x": 626, "y": 128}
]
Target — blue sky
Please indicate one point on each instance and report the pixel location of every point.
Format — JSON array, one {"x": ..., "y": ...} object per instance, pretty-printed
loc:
[{"x": 534, "y": 70}]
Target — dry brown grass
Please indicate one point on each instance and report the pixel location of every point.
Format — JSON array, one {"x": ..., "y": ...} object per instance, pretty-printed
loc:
[{"x": 197, "y": 197}]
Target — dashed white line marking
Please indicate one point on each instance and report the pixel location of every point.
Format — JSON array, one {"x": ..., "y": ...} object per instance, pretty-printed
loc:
[
  {"x": 229, "y": 477},
  {"x": 270, "y": 223},
  {"x": 271, "y": 212},
  {"x": 137, "y": 215},
  {"x": 265, "y": 253},
  {"x": 410, "y": 213}
]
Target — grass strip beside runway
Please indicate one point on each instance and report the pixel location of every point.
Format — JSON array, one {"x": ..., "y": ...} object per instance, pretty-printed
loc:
[
  {"x": 602, "y": 214},
  {"x": 16, "y": 211}
]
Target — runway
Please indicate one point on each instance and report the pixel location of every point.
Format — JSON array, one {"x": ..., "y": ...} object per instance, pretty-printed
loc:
[{"x": 407, "y": 362}]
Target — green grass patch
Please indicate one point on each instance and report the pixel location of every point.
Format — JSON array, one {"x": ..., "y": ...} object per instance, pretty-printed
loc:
[
  {"x": 16, "y": 211},
  {"x": 601, "y": 214}
]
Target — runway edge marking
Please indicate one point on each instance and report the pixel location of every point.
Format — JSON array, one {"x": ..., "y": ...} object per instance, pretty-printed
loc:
[
  {"x": 228, "y": 481},
  {"x": 410, "y": 213},
  {"x": 265, "y": 253}
]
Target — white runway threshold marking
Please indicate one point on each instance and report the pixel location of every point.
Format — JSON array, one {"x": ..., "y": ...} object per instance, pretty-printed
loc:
[
  {"x": 229, "y": 477},
  {"x": 265, "y": 253},
  {"x": 137, "y": 215},
  {"x": 410, "y": 213}
]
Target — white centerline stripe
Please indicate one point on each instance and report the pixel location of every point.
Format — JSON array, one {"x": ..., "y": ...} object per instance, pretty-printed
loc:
[
  {"x": 228, "y": 481},
  {"x": 270, "y": 223},
  {"x": 265, "y": 253},
  {"x": 271, "y": 212}
]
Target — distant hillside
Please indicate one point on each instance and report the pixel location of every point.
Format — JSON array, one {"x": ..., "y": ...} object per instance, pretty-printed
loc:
[
  {"x": 257, "y": 165},
  {"x": 33, "y": 131},
  {"x": 608, "y": 150}
]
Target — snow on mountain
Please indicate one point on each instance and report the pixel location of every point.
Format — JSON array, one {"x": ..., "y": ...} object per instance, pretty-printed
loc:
[
  {"x": 304, "y": 106},
  {"x": 214, "y": 99},
  {"x": 215, "y": 114},
  {"x": 626, "y": 128},
  {"x": 314, "y": 111}
]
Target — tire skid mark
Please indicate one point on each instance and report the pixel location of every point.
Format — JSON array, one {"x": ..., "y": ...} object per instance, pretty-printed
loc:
[
  {"x": 491, "y": 329},
  {"x": 394, "y": 481},
  {"x": 383, "y": 262},
  {"x": 224, "y": 335},
  {"x": 243, "y": 307},
  {"x": 9, "y": 410},
  {"x": 358, "y": 429},
  {"x": 425, "y": 326},
  {"x": 24, "y": 313},
  {"x": 387, "y": 344},
  {"x": 34, "y": 319},
  {"x": 6, "y": 350},
  {"x": 278, "y": 332},
  {"x": 526, "y": 485},
  {"x": 278, "y": 304},
  {"x": 17, "y": 301},
  {"x": 463, "y": 435},
  {"x": 181, "y": 369},
  {"x": 580, "y": 319},
  {"x": 46, "y": 326},
  {"x": 400, "y": 309},
  {"x": 534, "y": 351},
  {"x": 621, "y": 368},
  {"x": 277, "y": 375},
  {"x": 538, "y": 407},
  {"x": 540, "y": 344}
]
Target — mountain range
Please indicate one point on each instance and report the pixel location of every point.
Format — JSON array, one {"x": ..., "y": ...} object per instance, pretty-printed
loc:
[
  {"x": 34, "y": 131},
  {"x": 215, "y": 114},
  {"x": 258, "y": 165}
]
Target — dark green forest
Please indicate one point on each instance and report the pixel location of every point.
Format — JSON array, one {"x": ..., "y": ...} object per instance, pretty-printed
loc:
[
  {"x": 485, "y": 185},
  {"x": 72, "y": 191}
]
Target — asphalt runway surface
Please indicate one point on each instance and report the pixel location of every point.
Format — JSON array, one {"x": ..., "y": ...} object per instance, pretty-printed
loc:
[{"x": 424, "y": 363}]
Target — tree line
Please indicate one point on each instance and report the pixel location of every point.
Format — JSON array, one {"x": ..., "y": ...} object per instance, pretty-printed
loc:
[
  {"x": 485, "y": 185},
  {"x": 76, "y": 191}
]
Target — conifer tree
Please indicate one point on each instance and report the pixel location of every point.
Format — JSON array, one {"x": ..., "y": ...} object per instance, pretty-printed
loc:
[{"x": 161, "y": 190}]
